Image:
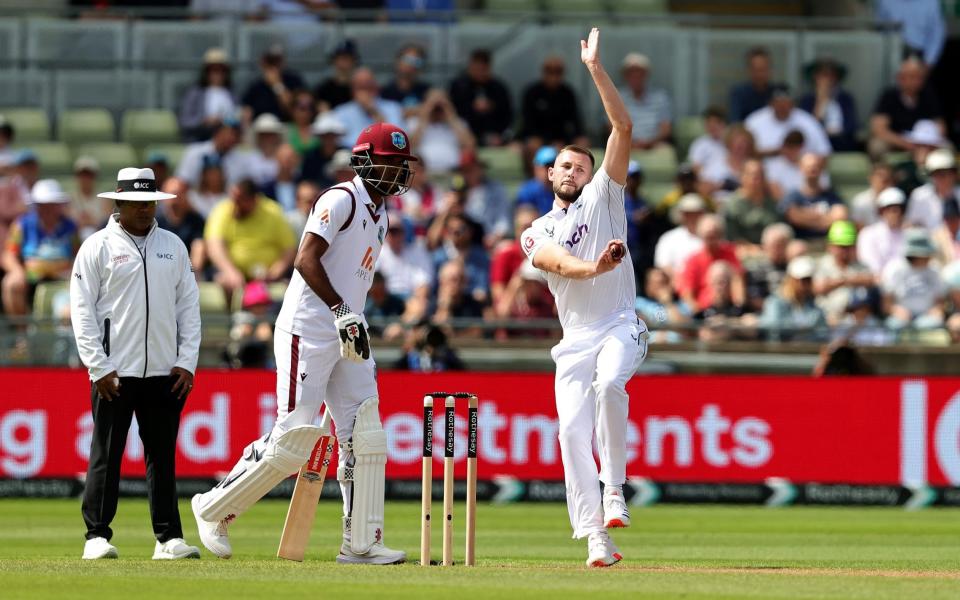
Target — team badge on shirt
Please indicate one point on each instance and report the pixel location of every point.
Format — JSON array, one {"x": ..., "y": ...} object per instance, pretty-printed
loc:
[
  {"x": 398, "y": 139},
  {"x": 380, "y": 235},
  {"x": 325, "y": 216}
]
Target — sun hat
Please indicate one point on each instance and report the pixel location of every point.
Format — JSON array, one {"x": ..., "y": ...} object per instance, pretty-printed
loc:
[
  {"x": 48, "y": 191},
  {"x": 136, "y": 184}
]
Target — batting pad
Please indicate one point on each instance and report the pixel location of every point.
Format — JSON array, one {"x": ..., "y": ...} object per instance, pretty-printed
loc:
[
  {"x": 262, "y": 467},
  {"x": 370, "y": 460}
]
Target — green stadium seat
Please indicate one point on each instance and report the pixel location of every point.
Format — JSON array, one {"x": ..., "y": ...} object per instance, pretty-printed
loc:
[
  {"x": 658, "y": 165},
  {"x": 847, "y": 168},
  {"x": 85, "y": 126},
  {"x": 641, "y": 7},
  {"x": 173, "y": 152},
  {"x": 140, "y": 128},
  {"x": 44, "y": 295},
  {"x": 112, "y": 156},
  {"x": 29, "y": 124},
  {"x": 502, "y": 163},
  {"x": 561, "y": 8},
  {"x": 212, "y": 298},
  {"x": 685, "y": 131},
  {"x": 848, "y": 191},
  {"x": 55, "y": 158},
  {"x": 654, "y": 192}
]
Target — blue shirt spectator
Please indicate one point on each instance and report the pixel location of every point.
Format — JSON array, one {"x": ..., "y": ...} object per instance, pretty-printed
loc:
[
  {"x": 538, "y": 190},
  {"x": 750, "y": 96},
  {"x": 921, "y": 23},
  {"x": 366, "y": 108}
]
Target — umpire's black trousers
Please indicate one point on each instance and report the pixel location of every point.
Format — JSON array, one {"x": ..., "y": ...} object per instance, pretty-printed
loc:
[{"x": 158, "y": 415}]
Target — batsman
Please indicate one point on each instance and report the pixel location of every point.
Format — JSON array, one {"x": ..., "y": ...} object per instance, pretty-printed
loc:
[{"x": 323, "y": 356}]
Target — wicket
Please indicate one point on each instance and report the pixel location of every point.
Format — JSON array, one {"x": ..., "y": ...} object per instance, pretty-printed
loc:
[{"x": 426, "y": 498}]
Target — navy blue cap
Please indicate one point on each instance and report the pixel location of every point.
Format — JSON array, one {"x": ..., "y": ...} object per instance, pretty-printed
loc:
[{"x": 347, "y": 47}]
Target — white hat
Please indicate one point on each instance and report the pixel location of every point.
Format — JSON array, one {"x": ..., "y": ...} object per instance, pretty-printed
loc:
[
  {"x": 939, "y": 160},
  {"x": 215, "y": 56},
  {"x": 327, "y": 123},
  {"x": 136, "y": 184},
  {"x": 636, "y": 60},
  {"x": 339, "y": 160},
  {"x": 48, "y": 191},
  {"x": 891, "y": 197},
  {"x": 691, "y": 203},
  {"x": 801, "y": 267},
  {"x": 925, "y": 133},
  {"x": 268, "y": 123},
  {"x": 86, "y": 163}
]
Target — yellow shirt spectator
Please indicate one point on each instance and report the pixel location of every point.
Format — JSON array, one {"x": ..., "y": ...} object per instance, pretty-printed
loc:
[{"x": 255, "y": 241}]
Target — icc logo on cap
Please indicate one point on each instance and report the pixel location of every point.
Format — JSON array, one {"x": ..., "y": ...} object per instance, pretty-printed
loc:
[{"x": 399, "y": 141}]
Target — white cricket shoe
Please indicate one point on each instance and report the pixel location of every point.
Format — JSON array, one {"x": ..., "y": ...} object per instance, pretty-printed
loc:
[
  {"x": 615, "y": 513},
  {"x": 99, "y": 547},
  {"x": 377, "y": 555},
  {"x": 212, "y": 535},
  {"x": 601, "y": 551},
  {"x": 173, "y": 549}
]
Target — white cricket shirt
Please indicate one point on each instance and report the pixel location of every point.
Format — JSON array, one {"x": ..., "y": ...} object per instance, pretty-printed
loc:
[
  {"x": 354, "y": 228},
  {"x": 584, "y": 229}
]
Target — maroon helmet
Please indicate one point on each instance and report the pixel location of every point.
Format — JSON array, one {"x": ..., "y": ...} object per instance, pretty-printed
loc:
[{"x": 383, "y": 139}]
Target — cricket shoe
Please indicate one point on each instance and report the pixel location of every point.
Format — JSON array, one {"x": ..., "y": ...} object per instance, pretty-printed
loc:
[
  {"x": 378, "y": 554},
  {"x": 99, "y": 547},
  {"x": 601, "y": 551},
  {"x": 173, "y": 549},
  {"x": 615, "y": 513},
  {"x": 213, "y": 535}
]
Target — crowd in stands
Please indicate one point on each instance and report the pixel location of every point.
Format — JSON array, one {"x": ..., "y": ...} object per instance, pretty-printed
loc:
[{"x": 752, "y": 242}]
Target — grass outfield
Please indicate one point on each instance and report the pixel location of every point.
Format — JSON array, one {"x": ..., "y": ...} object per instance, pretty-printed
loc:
[{"x": 523, "y": 550}]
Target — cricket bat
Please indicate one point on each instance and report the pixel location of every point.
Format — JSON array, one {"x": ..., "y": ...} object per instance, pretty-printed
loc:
[{"x": 306, "y": 494}]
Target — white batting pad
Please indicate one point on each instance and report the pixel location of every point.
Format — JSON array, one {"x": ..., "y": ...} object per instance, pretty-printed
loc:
[
  {"x": 370, "y": 459},
  {"x": 263, "y": 466}
]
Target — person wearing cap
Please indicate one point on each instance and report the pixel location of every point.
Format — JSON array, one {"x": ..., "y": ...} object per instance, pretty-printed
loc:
[
  {"x": 269, "y": 134},
  {"x": 328, "y": 130},
  {"x": 863, "y": 206},
  {"x": 406, "y": 88},
  {"x": 830, "y": 104},
  {"x": 366, "y": 107},
  {"x": 40, "y": 247},
  {"x": 272, "y": 92},
  {"x": 687, "y": 182},
  {"x": 913, "y": 292},
  {"x": 924, "y": 138},
  {"x": 439, "y": 136},
  {"x": 692, "y": 283},
  {"x": 792, "y": 313},
  {"x": 838, "y": 272},
  {"x": 651, "y": 111},
  {"x": 882, "y": 242},
  {"x": 482, "y": 100},
  {"x": 771, "y": 124},
  {"x": 335, "y": 90},
  {"x": 710, "y": 147},
  {"x": 677, "y": 245},
  {"x": 899, "y": 108},
  {"x": 812, "y": 208},
  {"x": 220, "y": 149},
  {"x": 205, "y": 105},
  {"x": 86, "y": 209},
  {"x": 549, "y": 110},
  {"x": 753, "y": 94},
  {"x": 946, "y": 238},
  {"x": 926, "y": 205},
  {"x": 538, "y": 190},
  {"x": 752, "y": 207},
  {"x": 135, "y": 308},
  {"x": 322, "y": 353},
  {"x": 178, "y": 216}
]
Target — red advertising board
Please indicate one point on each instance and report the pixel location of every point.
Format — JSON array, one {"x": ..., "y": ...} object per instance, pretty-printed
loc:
[{"x": 887, "y": 431}]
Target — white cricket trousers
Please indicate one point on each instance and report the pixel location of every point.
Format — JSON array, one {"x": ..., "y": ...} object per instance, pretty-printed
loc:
[{"x": 594, "y": 363}]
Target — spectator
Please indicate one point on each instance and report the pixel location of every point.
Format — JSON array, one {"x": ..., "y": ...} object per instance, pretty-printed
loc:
[
  {"x": 549, "y": 111},
  {"x": 212, "y": 188},
  {"x": 420, "y": 203},
  {"x": 660, "y": 303},
  {"x": 26, "y": 173},
  {"x": 951, "y": 281},
  {"x": 692, "y": 283},
  {"x": 222, "y": 149},
  {"x": 686, "y": 183},
  {"x": 406, "y": 88},
  {"x": 407, "y": 268},
  {"x": 438, "y": 136},
  {"x": 641, "y": 239},
  {"x": 838, "y": 273},
  {"x": 485, "y": 201},
  {"x": 752, "y": 209},
  {"x": 783, "y": 169},
  {"x": 13, "y": 202},
  {"x": 248, "y": 239},
  {"x": 457, "y": 243},
  {"x": 268, "y": 136},
  {"x": 900, "y": 107},
  {"x": 160, "y": 163},
  {"x": 677, "y": 245},
  {"x": 205, "y": 105},
  {"x": 86, "y": 210},
  {"x": 304, "y": 113},
  {"x": 924, "y": 139},
  {"x": 272, "y": 92},
  {"x": 366, "y": 108},
  {"x": 538, "y": 190},
  {"x": 921, "y": 26},
  {"x": 925, "y": 207},
  {"x": 283, "y": 188},
  {"x": 427, "y": 350},
  {"x": 883, "y": 241},
  {"x": 750, "y": 96},
  {"x": 251, "y": 332},
  {"x": 914, "y": 293},
  {"x": 7, "y": 135},
  {"x": 339, "y": 169},
  {"x": 178, "y": 216},
  {"x": 526, "y": 297},
  {"x": 771, "y": 124},
  {"x": 720, "y": 320},
  {"x": 710, "y": 147},
  {"x": 830, "y": 104},
  {"x": 863, "y": 207},
  {"x": 40, "y": 246},
  {"x": 307, "y": 194},
  {"x": 508, "y": 256},
  {"x": 336, "y": 89},
  {"x": 328, "y": 129},
  {"x": 650, "y": 108},
  {"x": 454, "y": 297},
  {"x": 860, "y": 324},
  {"x": 947, "y": 237},
  {"x": 812, "y": 208},
  {"x": 381, "y": 304},
  {"x": 483, "y": 101},
  {"x": 793, "y": 308},
  {"x": 766, "y": 272},
  {"x": 721, "y": 177}
]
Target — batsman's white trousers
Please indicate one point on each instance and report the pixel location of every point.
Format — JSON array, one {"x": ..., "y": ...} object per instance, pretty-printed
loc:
[{"x": 594, "y": 363}]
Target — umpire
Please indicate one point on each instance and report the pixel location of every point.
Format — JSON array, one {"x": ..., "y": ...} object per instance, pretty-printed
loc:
[{"x": 135, "y": 309}]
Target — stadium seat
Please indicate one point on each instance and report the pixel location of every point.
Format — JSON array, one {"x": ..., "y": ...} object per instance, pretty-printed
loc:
[
  {"x": 44, "y": 295},
  {"x": 848, "y": 190},
  {"x": 85, "y": 126},
  {"x": 173, "y": 152},
  {"x": 55, "y": 158},
  {"x": 212, "y": 298},
  {"x": 849, "y": 168},
  {"x": 686, "y": 130},
  {"x": 502, "y": 163},
  {"x": 29, "y": 124},
  {"x": 112, "y": 157},
  {"x": 658, "y": 165},
  {"x": 654, "y": 192},
  {"x": 142, "y": 127},
  {"x": 629, "y": 8}
]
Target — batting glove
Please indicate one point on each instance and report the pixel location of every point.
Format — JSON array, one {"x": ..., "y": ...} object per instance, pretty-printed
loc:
[{"x": 354, "y": 341}]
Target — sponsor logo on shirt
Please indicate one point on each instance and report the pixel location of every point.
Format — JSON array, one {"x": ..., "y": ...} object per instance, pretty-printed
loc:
[
  {"x": 119, "y": 260},
  {"x": 365, "y": 272},
  {"x": 528, "y": 242},
  {"x": 165, "y": 255},
  {"x": 578, "y": 234}
]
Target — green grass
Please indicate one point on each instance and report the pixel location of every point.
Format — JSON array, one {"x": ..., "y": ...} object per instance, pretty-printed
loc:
[{"x": 524, "y": 550}]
